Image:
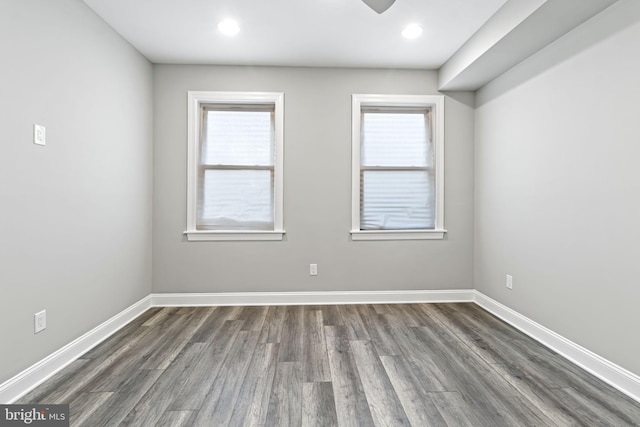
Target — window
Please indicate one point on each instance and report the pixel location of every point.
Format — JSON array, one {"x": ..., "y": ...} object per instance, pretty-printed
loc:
[
  {"x": 235, "y": 166},
  {"x": 397, "y": 167}
]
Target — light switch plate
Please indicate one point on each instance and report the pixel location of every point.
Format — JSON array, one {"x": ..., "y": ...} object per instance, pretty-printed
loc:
[
  {"x": 40, "y": 321},
  {"x": 39, "y": 135}
]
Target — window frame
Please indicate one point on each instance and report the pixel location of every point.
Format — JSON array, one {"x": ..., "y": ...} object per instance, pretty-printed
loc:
[
  {"x": 197, "y": 100},
  {"x": 435, "y": 103}
]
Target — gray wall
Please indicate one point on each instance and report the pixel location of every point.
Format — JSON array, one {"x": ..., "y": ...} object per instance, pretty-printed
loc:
[
  {"x": 556, "y": 177},
  {"x": 75, "y": 216},
  {"x": 317, "y": 190},
  {"x": 557, "y": 186}
]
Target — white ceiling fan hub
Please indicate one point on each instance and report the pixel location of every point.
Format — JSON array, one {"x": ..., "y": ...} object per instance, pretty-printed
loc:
[{"x": 379, "y": 5}]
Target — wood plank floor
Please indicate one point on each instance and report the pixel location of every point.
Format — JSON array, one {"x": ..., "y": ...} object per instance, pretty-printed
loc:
[{"x": 352, "y": 365}]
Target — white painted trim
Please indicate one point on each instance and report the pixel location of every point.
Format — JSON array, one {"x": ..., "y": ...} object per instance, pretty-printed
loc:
[
  {"x": 16, "y": 387},
  {"x": 397, "y": 234},
  {"x": 310, "y": 298},
  {"x": 614, "y": 375},
  {"x": 436, "y": 104},
  {"x": 205, "y": 236},
  {"x": 195, "y": 99},
  {"x": 356, "y": 129}
]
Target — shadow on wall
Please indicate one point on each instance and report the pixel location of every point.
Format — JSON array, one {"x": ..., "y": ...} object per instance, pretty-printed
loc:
[
  {"x": 612, "y": 20},
  {"x": 466, "y": 98}
]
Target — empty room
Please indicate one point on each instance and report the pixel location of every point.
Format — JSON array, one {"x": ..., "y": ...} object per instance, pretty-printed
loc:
[{"x": 320, "y": 213}]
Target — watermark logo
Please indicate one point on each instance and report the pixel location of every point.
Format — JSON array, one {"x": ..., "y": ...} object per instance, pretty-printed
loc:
[{"x": 34, "y": 415}]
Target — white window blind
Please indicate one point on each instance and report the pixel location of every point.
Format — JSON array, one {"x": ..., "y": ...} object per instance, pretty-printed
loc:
[
  {"x": 397, "y": 179},
  {"x": 236, "y": 170}
]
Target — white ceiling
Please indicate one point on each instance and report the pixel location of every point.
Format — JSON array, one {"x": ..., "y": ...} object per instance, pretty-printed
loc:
[{"x": 329, "y": 33}]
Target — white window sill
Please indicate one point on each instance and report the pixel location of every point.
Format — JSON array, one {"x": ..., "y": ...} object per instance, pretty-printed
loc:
[
  {"x": 397, "y": 234},
  {"x": 207, "y": 235}
]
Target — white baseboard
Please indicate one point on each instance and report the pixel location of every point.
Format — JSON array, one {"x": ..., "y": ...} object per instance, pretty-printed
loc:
[
  {"x": 18, "y": 386},
  {"x": 609, "y": 372},
  {"x": 27, "y": 380},
  {"x": 614, "y": 375},
  {"x": 310, "y": 298}
]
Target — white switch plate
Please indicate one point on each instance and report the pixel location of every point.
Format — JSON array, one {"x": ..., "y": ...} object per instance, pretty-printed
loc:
[
  {"x": 39, "y": 135},
  {"x": 313, "y": 269},
  {"x": 509, "y": 282},
  {"x": 40, "y": 321}
]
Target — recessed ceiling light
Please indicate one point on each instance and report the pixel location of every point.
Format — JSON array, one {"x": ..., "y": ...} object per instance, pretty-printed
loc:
[
  {"x": 229, "y": 27},
  {"x": 412, "y": 31}
]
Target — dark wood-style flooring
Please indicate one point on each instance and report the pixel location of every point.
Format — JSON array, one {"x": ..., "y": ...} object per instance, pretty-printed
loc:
[{"x": 349, "y": 365}]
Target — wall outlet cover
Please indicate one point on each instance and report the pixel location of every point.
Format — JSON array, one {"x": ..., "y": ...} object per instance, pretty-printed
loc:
[{"x": 39, "y": 135}]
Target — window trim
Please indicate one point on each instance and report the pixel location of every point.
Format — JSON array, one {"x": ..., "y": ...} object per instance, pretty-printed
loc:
[
  {"x": 436, "y": 104},
  {"x": 196, "y": 100}
]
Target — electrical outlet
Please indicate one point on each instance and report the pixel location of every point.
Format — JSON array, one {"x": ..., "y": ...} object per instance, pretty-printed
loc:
[
  {"x": 40, "y": 319},
  {"x": 39, "y": 135},
  {"x": 313, "y": 269},
  {"x": 509, "y": 282}
]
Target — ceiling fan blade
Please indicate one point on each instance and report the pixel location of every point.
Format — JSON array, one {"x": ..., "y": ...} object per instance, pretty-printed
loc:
[{"x": 379, "y": 5}]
